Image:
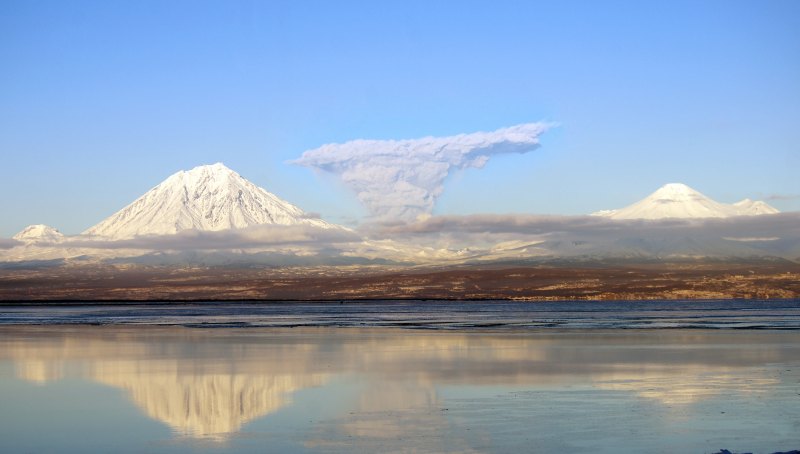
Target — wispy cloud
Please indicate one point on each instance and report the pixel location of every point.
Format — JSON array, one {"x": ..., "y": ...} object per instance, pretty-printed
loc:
[
  {"x": 401, "y": 179},
  {"x": 782, "y": 197}
]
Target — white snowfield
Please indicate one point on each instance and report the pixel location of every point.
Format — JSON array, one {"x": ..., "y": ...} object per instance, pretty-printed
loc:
[
  {"x": 207, "y": 198},
  {"x": 676, "y": 200}
]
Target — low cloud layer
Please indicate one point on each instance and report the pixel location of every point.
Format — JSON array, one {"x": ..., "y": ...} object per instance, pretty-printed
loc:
[
  {"x": 7, "y": 243},
  {"x": 776, "y": 235},
  {"x": 264, "y": 236},
  {"x": 787, "y": 224},
  {"x": 450, "y": 239},
  {"x": 773, "y": 197},
  {"x": 401, "y": 179}
]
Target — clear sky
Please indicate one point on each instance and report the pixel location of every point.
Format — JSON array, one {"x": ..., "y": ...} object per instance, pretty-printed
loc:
[{"x": 100, "y": 101}]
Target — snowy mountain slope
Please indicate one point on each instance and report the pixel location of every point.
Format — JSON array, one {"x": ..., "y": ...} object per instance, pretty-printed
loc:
[
  {"x": 676, "y": 200},
  {"x": 39, "y": 233},
  {"x": 209, "y": 197}
]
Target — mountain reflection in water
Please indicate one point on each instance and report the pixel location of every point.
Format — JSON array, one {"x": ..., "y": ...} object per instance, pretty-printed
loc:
[{"x": 208, "y": 383}]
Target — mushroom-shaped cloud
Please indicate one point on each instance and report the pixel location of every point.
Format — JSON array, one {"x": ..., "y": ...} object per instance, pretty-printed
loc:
[{"x": 401, "y": 179}]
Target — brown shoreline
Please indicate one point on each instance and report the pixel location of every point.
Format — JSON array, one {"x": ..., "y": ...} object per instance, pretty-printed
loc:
[{"x": 697, "y": 280}]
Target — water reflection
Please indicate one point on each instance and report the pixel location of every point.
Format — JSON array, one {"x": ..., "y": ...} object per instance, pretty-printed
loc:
[
  {"x": 209, "y": 383},
  {"x": 696, "y": 383},
  {"x": 201, "y": 404},
  {"x": 197, "y": 386}
]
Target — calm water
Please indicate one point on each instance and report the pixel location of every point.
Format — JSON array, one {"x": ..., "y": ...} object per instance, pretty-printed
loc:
[
  {"x": 78, "y": 388},
  {"x": 498, "y": 315}
]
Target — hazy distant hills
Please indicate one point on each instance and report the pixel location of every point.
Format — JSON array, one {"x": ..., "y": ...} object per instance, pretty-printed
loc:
[{"x": 212, "y": 215}]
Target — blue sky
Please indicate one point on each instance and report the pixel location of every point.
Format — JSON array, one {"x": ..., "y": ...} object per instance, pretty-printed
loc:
[{"x": 100, "y": 101}]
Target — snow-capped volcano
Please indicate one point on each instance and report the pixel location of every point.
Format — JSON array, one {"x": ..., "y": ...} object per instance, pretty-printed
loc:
[
  {"x": 209, "y": 197},
  {"x": 39, "y": 233},
  {"x": 754, "y": 207},
  {"x": 676, "y": 200}
]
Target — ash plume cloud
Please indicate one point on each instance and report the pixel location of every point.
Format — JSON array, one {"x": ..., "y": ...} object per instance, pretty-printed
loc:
[{"x": 402, "y": 179}]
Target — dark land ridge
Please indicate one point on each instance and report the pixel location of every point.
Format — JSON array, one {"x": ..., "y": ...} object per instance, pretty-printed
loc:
[{"x": 589, "y": 280}]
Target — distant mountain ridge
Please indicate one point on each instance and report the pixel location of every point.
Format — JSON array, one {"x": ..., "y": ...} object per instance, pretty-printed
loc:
[
  {"x": 210, "y": 198},
  {"x": 677, "y": 200},
  {"x": 201, "y": 216}
]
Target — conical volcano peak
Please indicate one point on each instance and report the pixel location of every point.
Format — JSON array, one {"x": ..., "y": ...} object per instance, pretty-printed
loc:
[
  {"x": 675, "y": 188},
  {"x": 218, "y": 171},
  {"x": 210, "y": 177},
  {"x": 207, "y": 197},
  {"x": 677, "y": 200},
  {"x": 676, "y": 192},
  {"x": 211, "y": 169},
  {"x": 217, "y": 166}
]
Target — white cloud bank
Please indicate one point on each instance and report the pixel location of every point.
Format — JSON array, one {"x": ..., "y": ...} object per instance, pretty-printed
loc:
[{"x": 401, "y": 179}]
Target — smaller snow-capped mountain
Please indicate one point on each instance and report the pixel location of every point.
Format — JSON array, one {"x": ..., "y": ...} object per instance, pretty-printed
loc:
[
  {"x": 210, "y": 198},
  {"x": 676, "y": 200},
  {"x": 39, "y": 233},
  {"x": 749, "y": 207}
]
